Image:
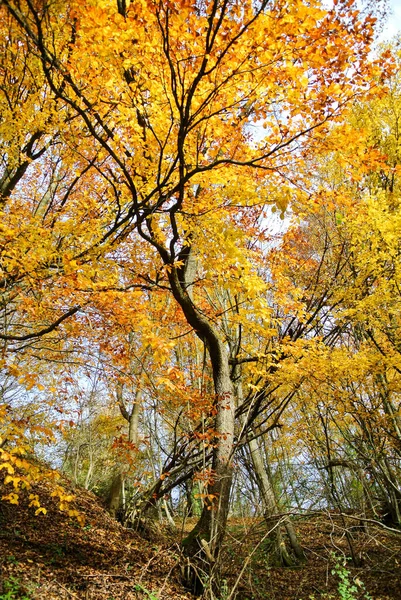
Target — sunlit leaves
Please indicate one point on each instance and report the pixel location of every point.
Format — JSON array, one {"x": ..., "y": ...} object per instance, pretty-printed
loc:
[{"x": 166, "y": 133}]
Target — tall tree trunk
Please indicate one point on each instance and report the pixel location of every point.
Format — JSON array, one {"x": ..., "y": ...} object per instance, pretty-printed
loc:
[
  {"x": 271, "y": 508},
  {"x": 207, "y": 536},
  {"x": 269, "y": 501},
  {"x": 116, "y": 494},
  {"x": 212, "y": 523}
]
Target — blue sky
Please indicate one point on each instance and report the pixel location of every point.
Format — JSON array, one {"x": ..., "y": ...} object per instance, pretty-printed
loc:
[{"x": 394, "y": 23}]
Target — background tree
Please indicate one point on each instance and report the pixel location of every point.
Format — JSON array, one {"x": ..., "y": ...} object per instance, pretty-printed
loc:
[{"x": 159, "y": 185}]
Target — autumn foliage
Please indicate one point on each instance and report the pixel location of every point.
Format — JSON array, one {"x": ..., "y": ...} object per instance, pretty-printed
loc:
[{"x": 152, "y": 320}]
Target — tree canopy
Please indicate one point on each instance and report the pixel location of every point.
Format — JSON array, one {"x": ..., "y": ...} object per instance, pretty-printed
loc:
[{"x": 152, "y": 321}]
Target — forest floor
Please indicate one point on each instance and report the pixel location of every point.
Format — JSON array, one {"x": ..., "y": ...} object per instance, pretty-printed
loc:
[{"x": 50, "y": 556}]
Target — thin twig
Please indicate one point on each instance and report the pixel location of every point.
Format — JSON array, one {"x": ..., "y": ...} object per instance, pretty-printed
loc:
[
  {"x": 248, "y": 558},
  {"x": 66, "y": 590}
]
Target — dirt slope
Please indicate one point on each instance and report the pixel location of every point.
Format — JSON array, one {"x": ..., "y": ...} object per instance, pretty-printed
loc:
[
  {"x": 51, "y": 556},
  {"x": 323, "y": 538}
]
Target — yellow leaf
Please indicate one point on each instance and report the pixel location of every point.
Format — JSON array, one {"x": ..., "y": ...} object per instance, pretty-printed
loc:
[
  {"x": 10, "y": 468},
  {"x": 11, "y": 498}
]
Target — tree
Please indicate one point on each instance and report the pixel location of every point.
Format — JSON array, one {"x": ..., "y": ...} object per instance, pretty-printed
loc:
[
  {"x": 158, "y": 171},
  {"x": 340, "y": 312}
]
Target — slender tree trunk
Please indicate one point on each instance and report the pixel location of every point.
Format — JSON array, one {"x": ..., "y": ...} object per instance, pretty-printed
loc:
[
  {"x": 116, "y": 494},
  {"x": 206, "y": 538},
  {"x": 270, "y": 508},
  {"x": 269, "y": 501},
  {"x": 90, "y": 467},
  {"x": 212, "y": 524},
  {"x": 169, "y": 517}
]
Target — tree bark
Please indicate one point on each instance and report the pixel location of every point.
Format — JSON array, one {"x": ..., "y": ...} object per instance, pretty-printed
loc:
[
  {"x": 116, "y": 495},
  {"x": 206, "y": 538},
  {"x": 271, "y": 508}
]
